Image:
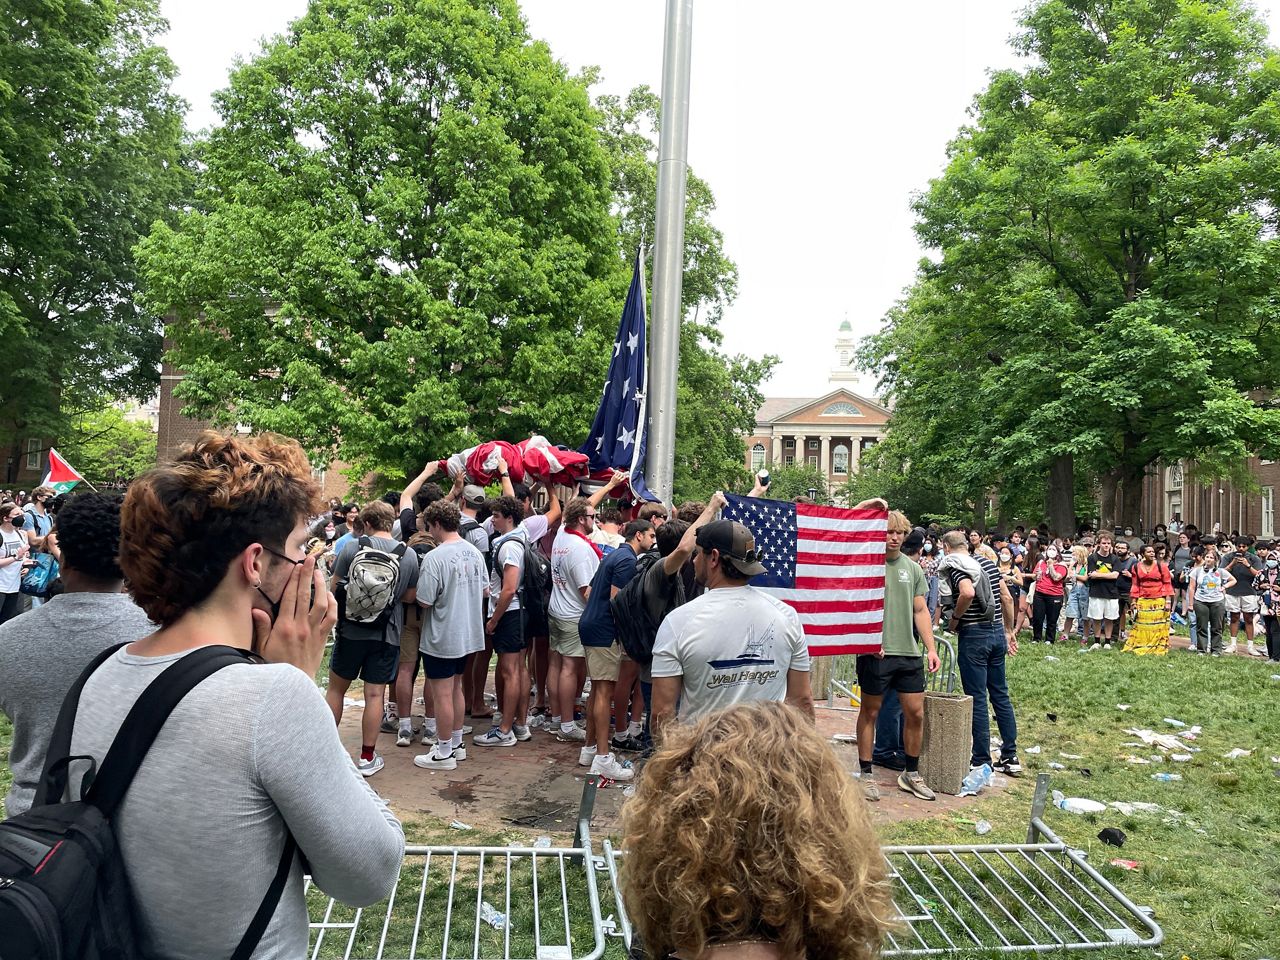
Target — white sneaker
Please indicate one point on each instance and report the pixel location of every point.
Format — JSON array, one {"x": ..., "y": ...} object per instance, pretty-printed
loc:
[
  {"x": 494, "y": 738},
  {"x": 404, "y": 737},
  {"x": 586, "y": 756},
  {"x": 575, "y": 733},
  {"x": 429, "y": 737},
  {"x": 1231, "y": 647},
  {"x": 1106, "y": 646},
  {"x": 429, "y": 761},
  {"x": 1097, "y": 646},
  {"x": 607, "y": 765},
  {"x": 521, "y": 732},
  {"x": 466, "y": 727},
  {"x": 459, "y": 753},
  {"x": 368, "y": 768}
]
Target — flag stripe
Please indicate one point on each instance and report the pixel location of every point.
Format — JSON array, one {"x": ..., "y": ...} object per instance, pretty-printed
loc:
[
  {"x": 823, "y": 648},
  {"x": 842, "y": 536},
  {"x": 841, "y": 583},
  {"x": 867, "y": 561},
  {"x": 847, "y": 526},
  {"x": 844, "y": 630},
  {"x": 843, "y": 514},
  {"x": 833, "y": 606}
]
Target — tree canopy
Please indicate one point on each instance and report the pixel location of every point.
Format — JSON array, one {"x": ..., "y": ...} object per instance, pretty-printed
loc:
[
  {"x": 91, "y": 154},
  {"x": 1102, "y": 296}
]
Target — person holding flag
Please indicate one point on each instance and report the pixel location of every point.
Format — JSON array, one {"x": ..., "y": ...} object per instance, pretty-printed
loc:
[{"x": 61, "y": 476}]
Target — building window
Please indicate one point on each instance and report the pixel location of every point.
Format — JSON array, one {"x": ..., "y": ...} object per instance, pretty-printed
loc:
[
  {"x": 867, "y": 443},
  {"x": 789, "y": 444},
  {"x": 841, "y": 409},
  {"x": 1173, "y": 480},
  {"x": 844, "y": 358},
  {"x": 813, "y": 444},
  {"x": 318, "y": 475},
  {"x": 840, "y": 459},
  {"x": 788, "y": 460},
  {"x": 33, "y": 453},
  {"x": 1268, "y": 511},
  {"x": 757, "y": 456},
  {"x": 813, "y": 462}
]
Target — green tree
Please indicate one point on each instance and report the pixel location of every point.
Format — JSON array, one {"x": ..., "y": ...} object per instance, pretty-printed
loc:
[
  {"x": 108, "y": 448},
  {"x": 1103, "y": 293},
  {"x": 402, "y": 239},
  {"x": 91, "y": 153},
  {"x": 787, "y": 483},
  {"x": 717, "y": 394}
]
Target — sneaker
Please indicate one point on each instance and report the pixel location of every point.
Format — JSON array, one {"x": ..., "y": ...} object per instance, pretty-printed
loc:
[
  {"x": 368, "y": 768},
  {"x": 538, "y": 721},
  {"x": 390, "y": 719},
  {"x": 521, "y": 733},
  {"x": 627, "y": 744},
  {"x": 1105, "y": 646},
  {"x": 608, "y": 765},
  {"x": 459, "y": 753},
  {"x": 912, "y": 782},
  {"x": 429, "y": 738},
  {"x": 1011, "y": 766},
  {"x": 894, "y": 762},
  {"x": 1256, "y": 651},
  {"x": 494, "y": 738},
  {"x": 467, "y": 728},
  {"x": 586, "y": 756},
  {"x": 575, "y": 733},
  {"x": 1097, "y": 646},
  {"x": 1231, "y": 647},
  {"x": 404, "y": 737},
  {"x": 870, "y": 789},
  {"x": 429, "y": 761}
]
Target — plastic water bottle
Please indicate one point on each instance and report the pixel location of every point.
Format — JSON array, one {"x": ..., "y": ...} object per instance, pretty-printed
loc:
[
  {"x": 977, "y": 778},
  {"x": 491, "y": 916},
  {"x": 1077, "y": 804},
  {"x": 982, "y": 828},
  {"x": 1166, "y": 777}
]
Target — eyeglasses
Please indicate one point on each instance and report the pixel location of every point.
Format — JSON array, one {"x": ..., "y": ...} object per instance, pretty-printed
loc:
[
  {"x": 277, "y": 553},
  {"x": 590, "y": 516}
]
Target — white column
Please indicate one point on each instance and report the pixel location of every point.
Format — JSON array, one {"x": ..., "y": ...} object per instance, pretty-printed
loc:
[
  {"x": 855, "y": 455},
  {"x": 802, "y": 450},
  {"x": 777, "y": 450},
  {"x": 824, "y": 459}
]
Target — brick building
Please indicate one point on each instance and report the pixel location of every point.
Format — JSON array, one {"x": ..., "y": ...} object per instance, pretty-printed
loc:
[
  {"x": 829, "y": 432},
  {"x": 1174, "y": 491}
]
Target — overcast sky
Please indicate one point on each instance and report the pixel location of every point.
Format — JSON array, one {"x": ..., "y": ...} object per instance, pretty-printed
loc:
[{"x": 812, "y": 121}]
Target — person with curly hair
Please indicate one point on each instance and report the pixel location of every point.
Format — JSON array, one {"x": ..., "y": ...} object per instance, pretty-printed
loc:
[
  {"x": 212, "y": 546},
  {"x": 43, "y": 652},
  {"x": 737, "y": 852}
]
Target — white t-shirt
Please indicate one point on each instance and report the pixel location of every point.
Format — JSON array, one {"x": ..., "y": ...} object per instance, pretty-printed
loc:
[
  {"x": 510, "y": 554},
  {"x": 731, "y": 645},
  {"x": 11, "y": 573},
  {"x": 573, "y": 564},
  {"x": 534, "y": 528}
]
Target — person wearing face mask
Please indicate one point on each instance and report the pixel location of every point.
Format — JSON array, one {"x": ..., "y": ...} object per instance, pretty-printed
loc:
[
  {"x": 1267, "y": 583},
  {"x": 928, "y": 561},
  {"x": 1049, "y": 592},
  {"x": 251, "y": 753},
  {"x": 1152, "y": 597},
  {"x": 1207, "y": 591},
  {"x": 14, "y": 551},
  {"x": 1012, "y": 577}
]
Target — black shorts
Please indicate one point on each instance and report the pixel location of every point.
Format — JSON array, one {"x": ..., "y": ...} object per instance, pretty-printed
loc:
[
  {"x": 507, "y": 635},
  {"x": 373, "y": 661},
  {"x": 876, "y": 675},
  {"x": 443, "y": 668}
]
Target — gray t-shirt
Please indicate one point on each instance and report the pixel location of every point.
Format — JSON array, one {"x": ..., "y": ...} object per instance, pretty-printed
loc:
[
  {"x": 41, "y": 655},
  {"x": 408, "y": 577},
  {"x": 250, "y": 751},
  {"x": 731, "y": 645},
  {"x": 453, "y": 583}
]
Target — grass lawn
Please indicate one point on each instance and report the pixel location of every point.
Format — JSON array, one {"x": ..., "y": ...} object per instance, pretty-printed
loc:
[{"x": 1212, "y": 874}]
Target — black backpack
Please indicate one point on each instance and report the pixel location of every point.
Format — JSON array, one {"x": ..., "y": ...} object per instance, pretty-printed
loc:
[
  {"x": 63, "y": 888},
  {"x": 466, "y": 526},
  {"x": 633, "y": 625},
  {"x": 535, "y": 585}
]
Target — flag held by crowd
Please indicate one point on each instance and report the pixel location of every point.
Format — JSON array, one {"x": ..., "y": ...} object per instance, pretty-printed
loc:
[
  {"x": 617, "y": 439},
  {"x": 61, "y": 476},
  {"x": 825, "y": 562}
]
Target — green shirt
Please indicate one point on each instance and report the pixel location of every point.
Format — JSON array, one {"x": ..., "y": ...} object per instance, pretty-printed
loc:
[{"x": 903, "y": 582}]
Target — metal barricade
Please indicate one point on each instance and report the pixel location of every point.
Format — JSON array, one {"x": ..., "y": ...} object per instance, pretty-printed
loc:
[
  {"x": 843, "y": 692},
  {"x": 445, "y": 904},
  {"x": 998, "y": 898}
]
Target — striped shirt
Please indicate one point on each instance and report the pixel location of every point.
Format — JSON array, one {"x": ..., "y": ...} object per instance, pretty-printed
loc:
[{"x": 959, "y": 568}]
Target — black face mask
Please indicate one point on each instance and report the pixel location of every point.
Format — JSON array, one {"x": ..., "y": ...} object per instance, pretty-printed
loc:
[{"x": 275, "y": 604}]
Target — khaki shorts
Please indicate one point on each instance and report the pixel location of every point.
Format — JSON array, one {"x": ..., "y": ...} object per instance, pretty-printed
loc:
[
  {"x": 410, "y": 634},
  {"x": 603, "y": 663},
  {"x": 1243, "y": 604},
  {"x": 564, "y": 638}
]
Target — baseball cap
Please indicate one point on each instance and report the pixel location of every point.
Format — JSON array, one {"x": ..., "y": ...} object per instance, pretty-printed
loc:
[
  {"x": 473, "y": 495},
  {"x": 736, "y": 545}
]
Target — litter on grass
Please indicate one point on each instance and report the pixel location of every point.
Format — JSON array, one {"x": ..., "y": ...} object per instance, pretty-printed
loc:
[
  {"x": 1112, "y": 836},
  {"x": 459, "y": 825},
  {"x": 1174, "y": 723},
  {"x": 1070, "y": 756},
  {"x": 1180, "y": 757},
  {"x": 1125, "y": 864},
  {"x": 1052, "y": 659},
  {"x": 982, "y": 828},
  {"x": 1056, "y": 766},
  {"x": 1122, "y": 706},
  {"x": 1236, "y": 754},
  {"x": 1035, "y": 749},
  {"x": 1165, "y": 741},
  {"x": 1138, "y": 760},
  {"x": 1077, "y": 804}
]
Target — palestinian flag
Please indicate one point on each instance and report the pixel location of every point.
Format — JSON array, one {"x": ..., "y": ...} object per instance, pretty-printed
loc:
[{"x": 61, "y": 476}]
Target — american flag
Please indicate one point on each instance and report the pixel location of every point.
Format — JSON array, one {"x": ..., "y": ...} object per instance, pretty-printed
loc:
[{"x": 826, "y": 562}]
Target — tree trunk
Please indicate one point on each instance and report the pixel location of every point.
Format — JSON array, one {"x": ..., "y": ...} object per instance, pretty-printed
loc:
[
  {"x": 980, "y": 511},
  {"x": 1107, "y": 507},
  {"x": 1061, "y": 505},
  {"x": 1004, "y": 515},
  {"x": 1130, "y": 506}
]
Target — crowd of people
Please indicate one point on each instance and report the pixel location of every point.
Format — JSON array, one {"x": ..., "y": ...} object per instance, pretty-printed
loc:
[{"x": 619, "y": 633}]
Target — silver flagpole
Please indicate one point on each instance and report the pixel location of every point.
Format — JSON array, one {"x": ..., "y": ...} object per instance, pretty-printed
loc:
[{"x": 668, "y": 251}]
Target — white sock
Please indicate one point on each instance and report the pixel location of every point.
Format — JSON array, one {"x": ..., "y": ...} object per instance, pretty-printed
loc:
[
  {"x": 457, "y": 739},
  {"x": 406, "y": 725},
  {"x": 635, "y": 728},
  {"x": 429, "y": 725},
  {"x": 566, "y": 728},
  {"x": 556, "y": 720},
  {"x": 444, "y": 750}
]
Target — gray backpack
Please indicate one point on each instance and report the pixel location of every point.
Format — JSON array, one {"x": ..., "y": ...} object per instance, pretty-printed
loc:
[{"x": 370, "y": 593}]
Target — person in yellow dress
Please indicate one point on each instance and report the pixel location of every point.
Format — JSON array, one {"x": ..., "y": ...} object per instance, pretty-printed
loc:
[{"x": 1152, "y": 595}]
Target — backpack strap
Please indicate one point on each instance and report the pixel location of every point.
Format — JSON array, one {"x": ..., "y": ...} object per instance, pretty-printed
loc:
[
  {"x": 53, "y": 779},
  {"x": 364, "y": 541},
  {"x": 399, "y": 551}
]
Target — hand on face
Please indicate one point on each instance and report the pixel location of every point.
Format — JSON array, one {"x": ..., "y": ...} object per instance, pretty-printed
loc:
[{"x": 302, "y": 623}]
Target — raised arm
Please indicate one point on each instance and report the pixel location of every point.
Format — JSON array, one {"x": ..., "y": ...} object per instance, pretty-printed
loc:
[
  {"x": 597, "y": 498},
  {"x": 411, "y": 491},
  {"x": 672, "y": 563}
]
